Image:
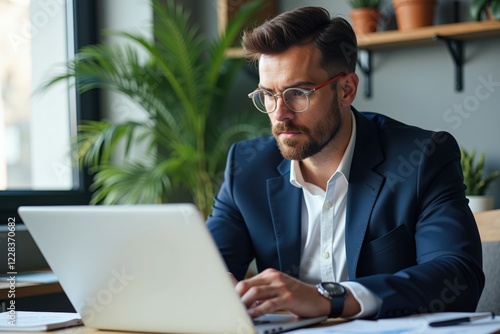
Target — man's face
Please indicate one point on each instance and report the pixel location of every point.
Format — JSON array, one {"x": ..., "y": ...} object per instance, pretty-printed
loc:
[{"x": 301, "y": 135}]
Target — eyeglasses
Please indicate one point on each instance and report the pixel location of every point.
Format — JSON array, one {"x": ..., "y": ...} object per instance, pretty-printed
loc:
[{"x": 296, "y": 99}]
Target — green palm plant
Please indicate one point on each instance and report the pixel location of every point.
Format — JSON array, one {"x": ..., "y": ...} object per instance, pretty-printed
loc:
[
  {"x": 478, "y": 7},
  {"x": 474, "y": 178},
  {"x": 182, "y": 86},
  {"x": 365, "y": 3}
]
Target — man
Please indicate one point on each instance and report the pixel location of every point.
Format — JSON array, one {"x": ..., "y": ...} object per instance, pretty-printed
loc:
[{"x": 347, "y": 214}]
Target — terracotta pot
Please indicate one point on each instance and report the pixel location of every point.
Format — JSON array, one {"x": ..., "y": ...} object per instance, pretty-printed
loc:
[
  {"x": 411, "y": 14},
  {"x": 364, "y": 20}
]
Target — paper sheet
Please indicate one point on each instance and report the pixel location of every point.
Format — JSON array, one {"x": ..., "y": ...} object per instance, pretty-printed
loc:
[
  {"x": 37, "y": 321},
  {"x": 409, "y": 325}
]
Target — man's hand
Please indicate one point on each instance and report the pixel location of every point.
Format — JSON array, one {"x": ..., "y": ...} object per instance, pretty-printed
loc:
[{"x": 272, "y": 291}]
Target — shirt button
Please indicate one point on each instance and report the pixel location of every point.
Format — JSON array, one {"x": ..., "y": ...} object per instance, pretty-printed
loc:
[
  {"x": 326, "y": 255},
  {"x": 328, "y": 204}
]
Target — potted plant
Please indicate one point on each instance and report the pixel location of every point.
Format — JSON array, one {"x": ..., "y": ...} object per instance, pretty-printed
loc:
[
  {"x": 181, "y": 80},
  {"x": 365, "y": 15},
  {"x": 411, "y": 14},
  {"x": 490, "y": 7},
  {"x": 476, "y": 181}
]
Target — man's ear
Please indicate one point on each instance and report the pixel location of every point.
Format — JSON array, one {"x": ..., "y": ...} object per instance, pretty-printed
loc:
[{"x": 348, "y": 88}]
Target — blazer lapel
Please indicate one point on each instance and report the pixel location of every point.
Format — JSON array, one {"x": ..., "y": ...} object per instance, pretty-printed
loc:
[
  {"x": 364, "y": 186},
  {"x": 285, "y": 202}
]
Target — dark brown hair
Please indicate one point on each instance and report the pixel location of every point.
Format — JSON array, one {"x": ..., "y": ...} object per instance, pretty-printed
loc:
[{"x": 333, "y": 37}]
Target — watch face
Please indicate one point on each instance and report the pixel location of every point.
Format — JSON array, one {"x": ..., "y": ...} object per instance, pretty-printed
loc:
[{"x": 334, "y": 289}]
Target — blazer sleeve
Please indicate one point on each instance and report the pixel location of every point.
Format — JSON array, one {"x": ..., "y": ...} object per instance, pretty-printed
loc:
[{"x": 227, "y": 225}]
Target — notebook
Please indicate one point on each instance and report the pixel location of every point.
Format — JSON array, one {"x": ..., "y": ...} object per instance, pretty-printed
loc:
[
  {"x": 31, "y": 321},
  {"x": 144, "y": 268}
]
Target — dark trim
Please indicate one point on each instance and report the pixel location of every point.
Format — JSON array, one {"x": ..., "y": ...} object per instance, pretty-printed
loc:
[{"x": 86, "y": 32}]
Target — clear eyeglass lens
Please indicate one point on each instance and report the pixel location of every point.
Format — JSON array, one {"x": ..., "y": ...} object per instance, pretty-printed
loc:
[
  {"x": 295, "y": 99},
  {"x": 267, "y": 101}
]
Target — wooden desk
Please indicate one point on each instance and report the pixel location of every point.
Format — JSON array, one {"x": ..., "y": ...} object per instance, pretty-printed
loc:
[
  {"x": 85, "y": 330},
  {"x": 25, "y": 288},
  {"x": 30, "y": 289}
]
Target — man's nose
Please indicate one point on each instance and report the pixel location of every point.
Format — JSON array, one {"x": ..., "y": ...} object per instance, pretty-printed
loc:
[{"x": 282, "y": 111}]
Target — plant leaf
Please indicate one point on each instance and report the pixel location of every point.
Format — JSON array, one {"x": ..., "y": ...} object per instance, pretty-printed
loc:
[
  {"x": 477, "y": 7},
  {"x": 180, "y": 81}
]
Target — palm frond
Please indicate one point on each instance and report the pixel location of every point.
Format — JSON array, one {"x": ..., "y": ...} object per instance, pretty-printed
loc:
[
  {"x": 219, "y": 47},
  {"x": 129, "y": 183},
  {"x": 181, "y": 81},
  {"x": 98, "y": 140},
  {"x": 495, "y": 9}
]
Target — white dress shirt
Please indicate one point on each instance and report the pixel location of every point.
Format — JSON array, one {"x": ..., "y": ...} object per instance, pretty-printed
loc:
[{"x": 323, "y": 256}]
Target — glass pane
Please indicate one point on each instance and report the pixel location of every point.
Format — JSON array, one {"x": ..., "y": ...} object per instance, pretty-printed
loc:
[{"x": 35, "y": 128}]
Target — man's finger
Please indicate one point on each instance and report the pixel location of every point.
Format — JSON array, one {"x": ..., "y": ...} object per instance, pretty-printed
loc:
[
  {"x": 258, "y": 293},
  {"x": 268, "y": 306},
  {"x": 243, "y": 286}
]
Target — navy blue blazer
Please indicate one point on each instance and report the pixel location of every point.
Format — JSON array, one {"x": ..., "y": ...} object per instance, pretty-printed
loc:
[{"x": 410, "y": 235}]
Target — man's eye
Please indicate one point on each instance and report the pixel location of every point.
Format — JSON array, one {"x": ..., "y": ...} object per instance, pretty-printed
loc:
[{"x": 297, "y": 93}]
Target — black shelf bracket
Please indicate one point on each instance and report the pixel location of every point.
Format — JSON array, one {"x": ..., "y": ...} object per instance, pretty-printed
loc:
[
  {"x": 456, "y": 49},
  {"x": 364, "y": 61}
]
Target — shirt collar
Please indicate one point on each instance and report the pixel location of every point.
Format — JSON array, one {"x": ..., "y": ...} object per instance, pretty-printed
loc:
[{"x": 344, "y": 167}]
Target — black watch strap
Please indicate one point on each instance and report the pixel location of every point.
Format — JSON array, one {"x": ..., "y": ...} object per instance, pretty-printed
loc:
[
  {"x": 337, "y": 295},
  {"x": 337, "y": 306}
]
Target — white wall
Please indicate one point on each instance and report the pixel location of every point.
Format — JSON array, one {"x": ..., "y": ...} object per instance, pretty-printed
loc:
[
  {"x": 133, "y": 16},
  {"x": 123, "y": 15}
]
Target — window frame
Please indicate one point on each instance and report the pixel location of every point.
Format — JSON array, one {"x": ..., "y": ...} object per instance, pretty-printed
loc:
[{"x": 85, "y": 32}]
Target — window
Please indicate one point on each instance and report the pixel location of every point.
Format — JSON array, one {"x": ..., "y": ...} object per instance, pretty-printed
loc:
[{"x": 36, "y": 129}]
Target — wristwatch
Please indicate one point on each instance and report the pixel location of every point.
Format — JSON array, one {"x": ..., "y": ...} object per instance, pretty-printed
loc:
[{"x": 337, "y": 295}]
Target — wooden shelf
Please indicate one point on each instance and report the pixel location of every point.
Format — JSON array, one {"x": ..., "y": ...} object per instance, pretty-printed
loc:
[
  {"x": 424, "y": 36},
  {"x": 452, "y": 35},
  {"x": 226, "y": 9},
  {"x": 235, "y": 52}
]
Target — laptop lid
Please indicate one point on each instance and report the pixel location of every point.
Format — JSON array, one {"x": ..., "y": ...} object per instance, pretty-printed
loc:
[{"x": 148, "y": 268}]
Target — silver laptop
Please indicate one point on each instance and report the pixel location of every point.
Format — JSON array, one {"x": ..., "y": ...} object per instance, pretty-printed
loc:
[{"x": 146, "y": 268}]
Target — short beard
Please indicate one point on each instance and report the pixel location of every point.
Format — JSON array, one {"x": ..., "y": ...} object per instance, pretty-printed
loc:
[{"x": 293, "y": 150}]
